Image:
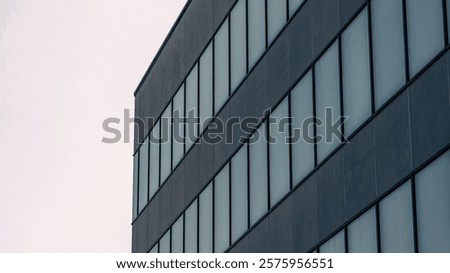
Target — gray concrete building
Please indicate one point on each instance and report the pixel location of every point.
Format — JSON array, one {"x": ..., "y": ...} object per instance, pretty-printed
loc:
[{"x": 377, "y": 71}]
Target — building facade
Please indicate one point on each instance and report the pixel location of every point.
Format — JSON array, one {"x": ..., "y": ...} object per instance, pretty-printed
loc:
[{"x": 296, "y": 126}]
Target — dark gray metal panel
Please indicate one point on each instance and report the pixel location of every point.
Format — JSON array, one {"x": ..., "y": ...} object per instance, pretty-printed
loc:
[
  {"x": 241, "y": 246},
  {"x": 330, "y": 195},
  {"x": 206, "y": 22},
  {"x": 359, "y": 171},
  {"x": 191, "y": 175},
  {"x": 430, "y": 112},
  {"x": 177, "y": 189},
  {"x": 258, "y": 238},
  {"x": 347, "y": 9},
  {"x": 304, "y": 216},
  {"x": 192, "y": 35},
  {"x": 140, "y": 231},
  {"x": 221, "y": 8},
  {"x": 300, "y": 42},
  {"x": 280, "y": 228},
  {"x": 392, "y": 144},
  {"x": 278, "y": 68},
  {"x": 325, "y": 23}
]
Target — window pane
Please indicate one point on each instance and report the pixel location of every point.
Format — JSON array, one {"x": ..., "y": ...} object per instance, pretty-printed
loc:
[
  {"x": 206, "y": 86},
  {"x": 178, "y": 126},
  {"x": 238, "y": 44},
  {"x": 294, "y": 5},
  {"x": 256, "y": 30},
  {"x": 334, "y": 245},
  {"x": 221, "y": 65},
  {"x": 362, "y": 233},
  {"x": 302, "y": 111},
  {"x": 388, "y": 49},
  {"x": 327, "y": 96},
  {"x": 206, "y": 220},
  {"x": 166, "y": 143},
  {"x": 154, "y": 249},
  {"x": 154, "y": 159},
  {"x": 239, "y": 215},
  {"x": 396, "y": 222},
  {"x": 135, "y": 184},
  {"x": 191, "y": 107},
  {"x": 276, "y": 18},
  {"x": 356, "y": 73},
  {"x": 279, "y": 153},
  {"x": 164, "y": 243},
  {"x": 433, "y": 206},
  {"x": 177, "y": 236},
  {"x": 258, "y": 175},
  {"x": 190, "y": 228},
  {"x": 222, "y": 210},
  {"x": 425, "y": 32},
  {"x": 143, "y": 175}
]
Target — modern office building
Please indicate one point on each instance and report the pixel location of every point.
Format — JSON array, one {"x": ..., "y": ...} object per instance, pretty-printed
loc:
[{"x": 377, "y": 71}]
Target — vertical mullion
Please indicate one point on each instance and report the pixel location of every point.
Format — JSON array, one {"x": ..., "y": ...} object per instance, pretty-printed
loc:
[
  {"x": 405, "y": 40},
  {"x": 229, "y": 55},
  {"x": 313, "y": 76},
  {"x": 378, "y": 228},
  {"x": 213, "y": 214},
  {"x": 170, "y": 239},
  {"x": 444, "y": 10},
  {"x": 248, "y": 184},
  {"x": 198, "y": 225},
  {"x": 170, "y": 137},
  {"x": 183, "y": 250},
  {"x": 184, "y": 120},
  {"x": 198, "y": 118},
  {"x": 159, "y": 154},
  {"x": 138, "y": 178},
  {"x": 229, "y": 205},
  {"x": 148, "y": 166},
  {"x": 289, "y": 138},
  {"x": 414, "y": 214},
  {"x": 372, "y": 83},
  {"x": 287, "y": 11},
  {"x": 341, "y": 88},
  {"x": 346, "y": 239},
  {"x": 268, "y": 159},
  {"x": 266, "y": 23}
]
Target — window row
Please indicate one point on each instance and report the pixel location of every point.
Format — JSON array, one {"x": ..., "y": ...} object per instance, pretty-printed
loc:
[
  {"x": 413, "y": 218},
  {"x": 274, "y": 167},
  {"x": 219, "y": 71}
]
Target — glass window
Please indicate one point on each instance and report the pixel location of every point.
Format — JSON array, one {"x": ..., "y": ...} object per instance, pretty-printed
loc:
[
  {"x": 327, "y": 98},
  {"x": 222, "y": 210},
  {"x": 256, "y": 30},
  {"x": 177, "y": 236},
  {"x": 135, "y": 184},
  {"x": 221, "y": 65},
  {"x": 154, "y": 159},
  {"x": 164, "y": 243},
  {"x": 258, "y": 174},
  {"x": 178, "y": 126},
  {"x": 154, "y": 249},
  {"x": 239, "y": 201},
  {"x": 362, "y": 233},
  {"x": 190, "y": 228},
  {"x": 334, "y": 245},
  {"x": 166, "y": 143},
  {"x": 191, "y": 107},
  {"x": 396, "y": 221},
  {"x": 276, "y": 18},
  {"x": 425, "y": 32},
  {"x": 294, "y": 5},
  {"x": 238, "y": 42},
  {"x": 433, "y": 206},
  {"x": 206, "y": 220},
  {"x": 356, "y": 73},
  {"x": 388, "y": 49},
  {"x": 302, "y": 146},
  {"x": 143, "y": 175},
  {"x": 206, "y": 86},
  {"x": 279, "y": 152}
]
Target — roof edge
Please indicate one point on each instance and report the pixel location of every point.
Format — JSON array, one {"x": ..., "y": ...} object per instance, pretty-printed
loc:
[{"x": 161, "y": 48}]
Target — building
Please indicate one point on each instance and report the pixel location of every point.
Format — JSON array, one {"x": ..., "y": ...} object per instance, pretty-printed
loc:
[{"x": 378, "y": 69}]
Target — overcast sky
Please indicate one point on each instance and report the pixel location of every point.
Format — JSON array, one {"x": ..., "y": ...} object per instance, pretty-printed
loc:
[{"x": 65, "y": 66}]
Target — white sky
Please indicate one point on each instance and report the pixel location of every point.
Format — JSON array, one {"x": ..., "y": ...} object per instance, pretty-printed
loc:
[{"x": 65, "y": 66}]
